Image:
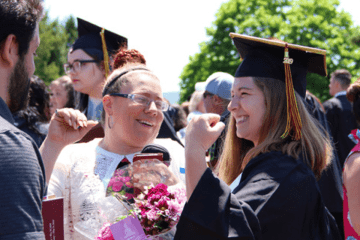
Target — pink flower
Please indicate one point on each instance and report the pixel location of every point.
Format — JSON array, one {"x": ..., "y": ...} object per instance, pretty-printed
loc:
[
  {"x": 179, "y": 194},
  {"x": 160, "y": 189},
  {"x": 154, "y": 198},
  {"x": 129, "y": 196},
  {"x": 152, "y": 215},
  {"x": 174, "y": 207},
  {"x": 105, "y": 233},
  {"x": 162, "y": 205},
  {"x": 116, "y": 186}
]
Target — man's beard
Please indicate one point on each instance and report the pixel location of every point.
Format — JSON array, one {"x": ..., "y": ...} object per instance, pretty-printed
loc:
[{"x": 18, "y": 90}]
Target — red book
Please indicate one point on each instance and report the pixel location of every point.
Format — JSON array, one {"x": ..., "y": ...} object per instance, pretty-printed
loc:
[{"x": 53, "y": 217}]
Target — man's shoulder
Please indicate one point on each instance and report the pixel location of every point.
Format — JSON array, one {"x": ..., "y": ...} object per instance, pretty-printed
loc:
[
  {"x": 332, "y": 104},
  {"x": 10, "y": 133}
]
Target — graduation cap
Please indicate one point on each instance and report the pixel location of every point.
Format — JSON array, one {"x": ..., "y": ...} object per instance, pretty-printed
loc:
[
  {"x": 282, "y": 61},
  {"x": 97, "y": 41}
]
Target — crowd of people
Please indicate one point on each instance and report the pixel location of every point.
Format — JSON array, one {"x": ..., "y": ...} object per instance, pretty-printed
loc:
[{"x": 260, "y": 157}]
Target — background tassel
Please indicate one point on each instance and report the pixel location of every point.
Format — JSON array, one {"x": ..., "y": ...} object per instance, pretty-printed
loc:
[{"x": 106, "y": 55}]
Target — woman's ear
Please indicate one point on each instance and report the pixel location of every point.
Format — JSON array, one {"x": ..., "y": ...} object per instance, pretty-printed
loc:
[
  {"x": 107, "y": 104},
  {"x": 9, "y": 51}
]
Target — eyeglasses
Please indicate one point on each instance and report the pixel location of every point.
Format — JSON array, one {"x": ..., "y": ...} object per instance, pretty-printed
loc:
[
  {"x": 140, "y": 99},
  {"x": 76, "y": 66}
]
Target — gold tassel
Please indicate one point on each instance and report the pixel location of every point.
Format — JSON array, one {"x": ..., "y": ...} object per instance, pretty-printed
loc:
[
  {"x": 106, "y": 55},
  {"x": 293, "y": 115}
]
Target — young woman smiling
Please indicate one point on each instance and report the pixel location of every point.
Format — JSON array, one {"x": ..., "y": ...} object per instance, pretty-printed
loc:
[{"x": 273, "y": 146}]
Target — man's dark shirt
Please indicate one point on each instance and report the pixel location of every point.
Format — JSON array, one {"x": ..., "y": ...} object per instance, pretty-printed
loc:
[
  {"x": 341, "y": 121},
  {"x": 22, "y": 182}
]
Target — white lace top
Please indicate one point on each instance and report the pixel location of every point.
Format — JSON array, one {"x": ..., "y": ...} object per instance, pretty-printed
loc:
[{"x": 81, "y": 175}]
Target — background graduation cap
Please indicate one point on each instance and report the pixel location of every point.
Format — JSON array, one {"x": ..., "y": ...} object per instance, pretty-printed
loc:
[
  {"x": 282, "y": 61},
  {"x": 97, "y": 41}
]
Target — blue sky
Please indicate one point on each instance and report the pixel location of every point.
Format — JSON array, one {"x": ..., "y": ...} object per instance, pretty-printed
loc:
[{"x": 166, "y": 32}]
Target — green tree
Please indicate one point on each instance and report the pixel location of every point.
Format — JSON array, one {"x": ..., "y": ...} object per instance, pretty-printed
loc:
[
  {"x": 71, "y": 30},
  {"x": 315, "y": 23},
  {"x": 52, "y": 52}
]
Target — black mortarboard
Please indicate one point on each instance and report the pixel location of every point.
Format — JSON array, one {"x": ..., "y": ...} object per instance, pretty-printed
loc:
[
  {"x": 264, "y": 58},
  {"x": 279, "y": 60},
  {"x": 90, "y": 40}
]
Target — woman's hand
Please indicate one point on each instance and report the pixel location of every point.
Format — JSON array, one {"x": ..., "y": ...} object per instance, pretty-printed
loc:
[
  {"x": 68, "y": 125},
  {"x": 201, "y": 133}
]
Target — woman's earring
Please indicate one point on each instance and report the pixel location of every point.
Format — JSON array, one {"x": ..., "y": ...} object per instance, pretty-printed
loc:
[{"x": 110, "y": 122}]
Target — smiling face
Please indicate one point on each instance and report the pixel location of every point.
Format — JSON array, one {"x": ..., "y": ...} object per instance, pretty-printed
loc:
[
  {"x": 247, "y": 106},
  {"x": 90, "y": 78},
  {"x": 134, "y": 124}
]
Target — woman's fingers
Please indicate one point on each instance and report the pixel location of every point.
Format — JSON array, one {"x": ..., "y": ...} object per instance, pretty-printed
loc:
[
  {"x": 73, "y": 118},
  {"x": 204, "y": 130}
]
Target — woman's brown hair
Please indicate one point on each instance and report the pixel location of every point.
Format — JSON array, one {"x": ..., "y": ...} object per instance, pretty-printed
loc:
[{"x": 314, "y": 147}]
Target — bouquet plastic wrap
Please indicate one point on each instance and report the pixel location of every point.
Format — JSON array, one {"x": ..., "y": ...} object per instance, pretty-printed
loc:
[{"x": 153, "y": 197}]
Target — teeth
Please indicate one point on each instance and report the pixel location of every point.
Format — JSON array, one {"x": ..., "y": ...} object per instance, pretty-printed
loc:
[
  {"x": 241, "y": 119},
  {"x": 146, "y": 123}
]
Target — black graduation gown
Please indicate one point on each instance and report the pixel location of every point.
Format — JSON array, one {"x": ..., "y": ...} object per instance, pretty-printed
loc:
[{"x": 277, "y": 198}]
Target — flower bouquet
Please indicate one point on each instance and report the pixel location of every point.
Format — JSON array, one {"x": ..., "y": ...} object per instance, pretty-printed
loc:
[{"x": 153, "y": 196}]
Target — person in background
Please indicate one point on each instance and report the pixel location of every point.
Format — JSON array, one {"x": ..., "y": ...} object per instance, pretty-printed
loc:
[
  {"x": 180, "y": 121},
  {"x": 125, "y": 56},
  {"x": 167, "y": 129},
  {"x": 24, "y": 169},
  {"x": 34, "y": 119},
  {"x": 179, "y": 117},
  {"x": 62, "y": 94},
  {"x": 185, "y": 106},
  {"x": 338, "y": 113},
  {"x": 273, "y": 146},
  {"x": 351, "y": 172},
  {"x": 330, "y": 182},
  {"x": 196, "y": 105},
  {"x": 88, "y": 66},
  {"x": 217, "y": 96}
]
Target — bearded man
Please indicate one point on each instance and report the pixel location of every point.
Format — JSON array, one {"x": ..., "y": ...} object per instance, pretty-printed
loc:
[{"x": 25, "y": 169}]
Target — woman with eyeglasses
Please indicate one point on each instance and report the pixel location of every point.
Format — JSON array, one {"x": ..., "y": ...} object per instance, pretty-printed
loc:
[
  {"x": 88, "y": 66},
  {"x": 132, "y": 116}
]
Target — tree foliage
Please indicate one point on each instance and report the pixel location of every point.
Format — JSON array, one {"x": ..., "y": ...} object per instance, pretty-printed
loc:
[
  {"x": 55, "y": 39},
  {"x": 314, "y": 23}
]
